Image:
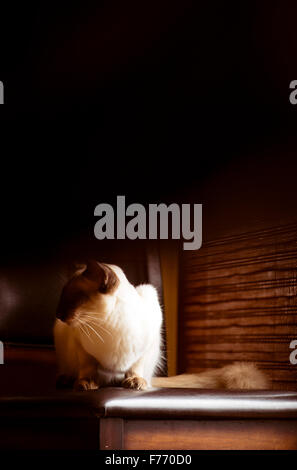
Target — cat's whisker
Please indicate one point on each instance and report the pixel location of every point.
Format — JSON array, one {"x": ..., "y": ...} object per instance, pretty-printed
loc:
[
  {"x": 93, "y": 315},
  {"x": 101, "y": 328},
  {"x": 85, "y": 331},
  {"x": 85, "y": 314},
  {"x": 96, "y": 333},
  {"x": 90, "y": 312},
  {"x": 95, "y": 322},
  {"x": 82, "y": 330}
]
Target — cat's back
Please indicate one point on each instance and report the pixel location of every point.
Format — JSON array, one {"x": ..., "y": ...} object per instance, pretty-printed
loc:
[
  {"x": 150, "y": 299},
  {"x": 148, "y": 292}
]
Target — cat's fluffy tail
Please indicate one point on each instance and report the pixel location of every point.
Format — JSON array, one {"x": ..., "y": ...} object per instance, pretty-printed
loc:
[{"x": 239, "y": 375}]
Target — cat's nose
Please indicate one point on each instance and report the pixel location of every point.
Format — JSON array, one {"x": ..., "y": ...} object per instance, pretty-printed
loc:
[
  {"x": 61, "y": 315},
  {"x": 65, "y": 317}
]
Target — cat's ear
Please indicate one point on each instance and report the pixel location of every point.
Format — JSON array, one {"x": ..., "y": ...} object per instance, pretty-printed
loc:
[
  {"x": 103, "y": 275},
  {"x": 72, "y": 269},
  {"x": 79, "y": 268}
]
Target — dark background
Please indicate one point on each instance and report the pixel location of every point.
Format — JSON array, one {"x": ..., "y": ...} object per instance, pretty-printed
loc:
[{"x": 160, "y": 101}]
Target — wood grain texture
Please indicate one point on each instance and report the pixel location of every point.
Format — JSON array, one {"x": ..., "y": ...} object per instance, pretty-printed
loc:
[
  {"x": 211, "y": 435},
  {"x": 169, "y": 266},
  {"x": 111, "y": 433},
  {"x": 238, "y": 302}
]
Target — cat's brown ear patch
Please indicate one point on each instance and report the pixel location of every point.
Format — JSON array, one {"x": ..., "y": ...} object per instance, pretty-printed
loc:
[
  {"x": 103, "y": 275},
  {"x": 79, "y": 268}
]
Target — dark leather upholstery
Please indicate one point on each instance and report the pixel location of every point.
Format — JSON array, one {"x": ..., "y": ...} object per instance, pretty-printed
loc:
[
  {"x": 29, "y": 294},
  {"x": 28, "y": 389},
  {"x": 30, "y": 290},
  {"x": 28, "y": 297},
  {"x": 164, "y": 404},
  {"x": 194, "y": 404}
]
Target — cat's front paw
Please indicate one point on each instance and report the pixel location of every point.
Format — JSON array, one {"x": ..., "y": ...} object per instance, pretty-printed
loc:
[
  {"x": 81, "y": 385},
  {"x": 135, "y": 382}
]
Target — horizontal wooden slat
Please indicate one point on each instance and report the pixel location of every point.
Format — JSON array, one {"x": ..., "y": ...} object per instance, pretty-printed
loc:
[
  {"x": 212, "y": 434},
  {"x": 239, "y": 303}
]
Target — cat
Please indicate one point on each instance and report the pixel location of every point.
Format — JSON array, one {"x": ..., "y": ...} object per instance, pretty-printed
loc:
[{"x": 108, "y": 332}]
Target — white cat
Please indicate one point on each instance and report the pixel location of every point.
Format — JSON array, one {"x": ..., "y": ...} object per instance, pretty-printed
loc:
[{"x": 108, "y": 331}]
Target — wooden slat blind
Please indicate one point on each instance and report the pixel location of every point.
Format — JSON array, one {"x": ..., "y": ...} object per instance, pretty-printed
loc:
[{"x": 238, "y": 302}]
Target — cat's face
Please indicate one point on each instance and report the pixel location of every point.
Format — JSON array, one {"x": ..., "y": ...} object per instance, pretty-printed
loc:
[{"x": 85, "y": 290}]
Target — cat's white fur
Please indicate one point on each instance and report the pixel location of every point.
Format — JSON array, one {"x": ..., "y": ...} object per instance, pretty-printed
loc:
[
  {"x": 131, "y": 334},
  {"x": 130, "y": 327}
]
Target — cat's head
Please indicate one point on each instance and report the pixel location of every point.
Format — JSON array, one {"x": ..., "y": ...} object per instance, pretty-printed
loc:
[{"x": 88, "y": 288}]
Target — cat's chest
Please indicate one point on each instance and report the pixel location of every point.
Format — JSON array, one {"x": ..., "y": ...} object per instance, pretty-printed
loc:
[{"x": 116, "y": 343}]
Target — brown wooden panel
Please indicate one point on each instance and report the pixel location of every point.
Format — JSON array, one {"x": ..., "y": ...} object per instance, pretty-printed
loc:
[
  {"x": 111, "y": 433},
  {"x": 238, "y": 302},
  {"x": 211, "y": 435}
]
